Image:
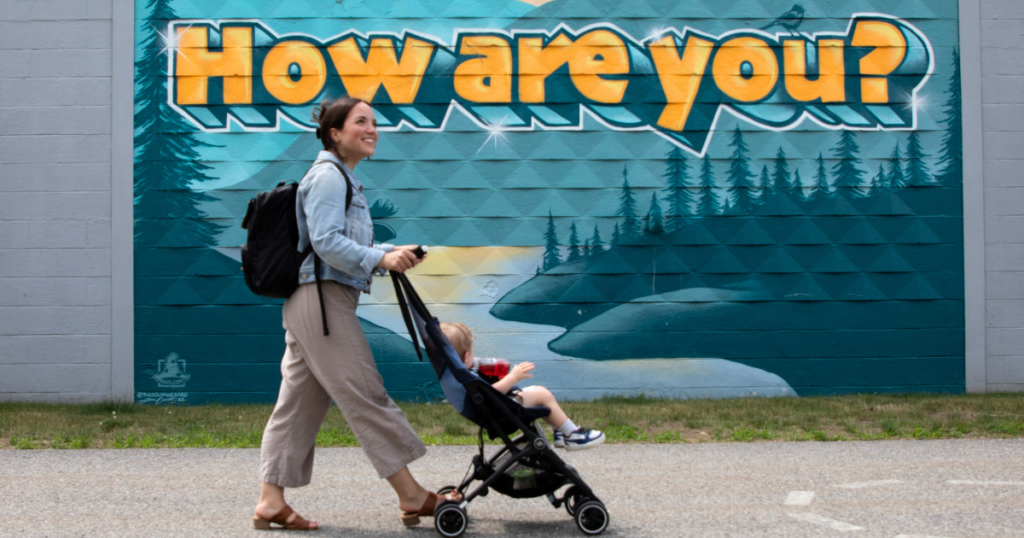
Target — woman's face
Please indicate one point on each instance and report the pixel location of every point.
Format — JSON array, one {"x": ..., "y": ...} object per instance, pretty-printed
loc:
[{"x": 358, "y": 138}]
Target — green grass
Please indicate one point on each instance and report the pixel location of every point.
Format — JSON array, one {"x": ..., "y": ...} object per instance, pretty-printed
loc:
[{"x": 624, "y": 420}]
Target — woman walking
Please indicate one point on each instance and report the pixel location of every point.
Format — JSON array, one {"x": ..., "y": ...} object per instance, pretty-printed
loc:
[{"x": 339, "y": 367}]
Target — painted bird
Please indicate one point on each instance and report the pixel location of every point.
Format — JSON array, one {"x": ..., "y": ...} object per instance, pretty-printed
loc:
[{"x": 789, "y": 20}]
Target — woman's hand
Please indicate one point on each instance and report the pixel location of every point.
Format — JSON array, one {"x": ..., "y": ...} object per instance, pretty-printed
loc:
[
  {"x": 399, "y": 260},
  {"x": 410, "y": 248},
  {"x": 521, "y": 371}
]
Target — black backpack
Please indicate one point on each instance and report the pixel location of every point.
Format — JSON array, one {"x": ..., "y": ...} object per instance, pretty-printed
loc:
[{"x": 270, "y": 257}]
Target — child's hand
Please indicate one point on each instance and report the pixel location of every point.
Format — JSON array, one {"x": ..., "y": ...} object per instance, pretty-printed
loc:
[{"x": 521, "y": 371}]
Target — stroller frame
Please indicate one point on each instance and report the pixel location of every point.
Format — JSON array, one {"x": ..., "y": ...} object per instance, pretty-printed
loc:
[
  {"x": 531, "y": 442},
  {"x": 500, "y": 416}
]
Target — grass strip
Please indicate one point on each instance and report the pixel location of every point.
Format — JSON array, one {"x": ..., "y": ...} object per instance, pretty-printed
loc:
[{"x": 624, "y": 420}]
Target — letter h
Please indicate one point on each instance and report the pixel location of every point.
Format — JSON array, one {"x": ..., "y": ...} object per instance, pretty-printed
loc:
[{"x": 195, "y": 64}]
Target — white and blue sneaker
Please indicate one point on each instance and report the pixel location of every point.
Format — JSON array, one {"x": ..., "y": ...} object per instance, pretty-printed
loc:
[{"x": 579, "y": 439}]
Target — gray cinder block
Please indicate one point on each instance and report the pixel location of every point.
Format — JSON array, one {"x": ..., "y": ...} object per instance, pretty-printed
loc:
[
  {"x": 56, "y": 349},
  {"x": 55, "y": 378}
]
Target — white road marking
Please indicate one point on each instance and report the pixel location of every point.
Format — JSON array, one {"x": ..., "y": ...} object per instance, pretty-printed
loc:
[
  {"x": 799, "y": 498},
  {"x": 826, "y": 522},
  {"x": 984, "y": 483},
  {"x": 916, "y": 536},
  {"x": 868, "y": 484}
]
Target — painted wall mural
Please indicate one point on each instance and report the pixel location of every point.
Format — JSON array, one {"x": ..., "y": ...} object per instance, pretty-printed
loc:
[{"x": 648, "y": 197}]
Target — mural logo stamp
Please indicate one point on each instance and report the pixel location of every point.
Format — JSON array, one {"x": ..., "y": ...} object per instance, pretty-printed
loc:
[
  {"x": 171, "y": 372},
  {"x": 675, "y": 83}
]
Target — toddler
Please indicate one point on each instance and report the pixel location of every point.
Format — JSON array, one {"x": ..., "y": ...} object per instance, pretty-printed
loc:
[{"x": 567, "y": 435}]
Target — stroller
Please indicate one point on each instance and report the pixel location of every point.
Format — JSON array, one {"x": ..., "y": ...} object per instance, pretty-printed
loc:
[{"x": 526, "y": 466}]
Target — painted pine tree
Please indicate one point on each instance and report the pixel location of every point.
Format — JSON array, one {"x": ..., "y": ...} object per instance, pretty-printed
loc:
[
  {"x": 879, "y": 182},
  {"x": 951, "y": 156},
  {"x": 894, "y": 178},
  {"x": 821, "y": 186},
  {"x": 616, "y": 235},
  {"x": 586, "y": 249},
  {"x": 780, "y": 172},
  {"x": 707, "y": 202},
  {"x": 798, "y": 183},
  {"x": 766, "y": 188},
  {"x": 596, "y": 243},
  {"x": 917, "y": 171},
  {"x": 627, "y": 210},
  {"x": 166, "y": 156},
  {"x": 655, "y": 220},
  {"x": 678, "y": 193},
  {"x": 551, "y": 256},
  {"x": 740, "y": 178},
  {"x": 574, "y": 244},
  {"x": 848, "y": 177}
]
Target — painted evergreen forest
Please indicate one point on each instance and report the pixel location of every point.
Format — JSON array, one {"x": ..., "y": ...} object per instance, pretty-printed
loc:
[{"x": 760, "y": 266}]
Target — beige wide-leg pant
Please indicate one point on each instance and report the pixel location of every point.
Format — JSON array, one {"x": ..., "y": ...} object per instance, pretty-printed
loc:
[{"x": 317, "y": 369}]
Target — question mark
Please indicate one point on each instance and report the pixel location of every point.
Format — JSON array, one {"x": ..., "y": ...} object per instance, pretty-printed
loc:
[{"x": 890, "y": 49}]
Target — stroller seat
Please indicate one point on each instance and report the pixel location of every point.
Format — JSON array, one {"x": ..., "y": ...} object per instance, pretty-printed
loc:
[{"x": 526, "y": 465}]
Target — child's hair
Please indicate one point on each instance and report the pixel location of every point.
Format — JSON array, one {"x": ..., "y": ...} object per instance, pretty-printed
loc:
[
  {"x": 332, "y": 114},
  {"x": 459, "y": 335}
]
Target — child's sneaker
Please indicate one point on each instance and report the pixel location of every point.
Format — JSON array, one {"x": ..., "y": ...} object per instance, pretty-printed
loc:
[
  {"x": 559, "y": 440},
  {"x": 582, "y": 438}
]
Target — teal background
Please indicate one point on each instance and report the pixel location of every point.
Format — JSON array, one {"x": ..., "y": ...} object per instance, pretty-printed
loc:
[{"x": 855, "y": 285}]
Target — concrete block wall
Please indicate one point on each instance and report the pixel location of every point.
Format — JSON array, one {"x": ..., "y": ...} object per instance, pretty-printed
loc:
[
  {"x": 55, "y": 200},
  {"x": 1002, "y": 88},
  {"x": 55, "y": 197}
]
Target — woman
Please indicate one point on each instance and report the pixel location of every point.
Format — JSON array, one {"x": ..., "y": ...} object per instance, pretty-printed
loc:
[{"x": 317, "y": 369}]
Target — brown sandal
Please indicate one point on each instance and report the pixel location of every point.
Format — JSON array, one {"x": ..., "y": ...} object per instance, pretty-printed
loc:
[
  {"x": 281, "y": 518},
  {"x": 427, "y": 510}
]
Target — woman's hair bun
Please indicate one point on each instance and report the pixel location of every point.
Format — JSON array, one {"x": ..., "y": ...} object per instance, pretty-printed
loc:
[{"x": 331, "y": 115}]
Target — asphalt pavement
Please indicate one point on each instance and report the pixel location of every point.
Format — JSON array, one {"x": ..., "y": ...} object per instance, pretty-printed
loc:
[{"x": 889, "y": 489}]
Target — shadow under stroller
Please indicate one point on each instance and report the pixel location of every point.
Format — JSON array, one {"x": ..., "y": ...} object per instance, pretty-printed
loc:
[{"x": 526, "y": 466}]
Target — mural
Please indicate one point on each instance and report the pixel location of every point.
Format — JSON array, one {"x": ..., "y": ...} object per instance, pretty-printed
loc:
[{"x": 654, "y": 197}]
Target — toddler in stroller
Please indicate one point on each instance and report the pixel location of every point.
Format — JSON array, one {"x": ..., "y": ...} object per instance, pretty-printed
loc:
[
  {"x": 567, "y": 434},
  {"x": 526, "y": 465}
]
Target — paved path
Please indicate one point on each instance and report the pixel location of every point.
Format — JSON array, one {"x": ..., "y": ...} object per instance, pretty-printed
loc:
[{"x": 856, "y": 489}]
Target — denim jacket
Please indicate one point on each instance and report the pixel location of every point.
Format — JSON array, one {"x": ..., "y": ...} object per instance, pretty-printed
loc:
[{"x": 344, "y": 240}]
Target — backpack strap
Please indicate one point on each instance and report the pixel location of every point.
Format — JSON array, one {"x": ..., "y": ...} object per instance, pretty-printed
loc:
[
  {"x": 348, "y": 182},
  {"x": 317, "y": 262}
]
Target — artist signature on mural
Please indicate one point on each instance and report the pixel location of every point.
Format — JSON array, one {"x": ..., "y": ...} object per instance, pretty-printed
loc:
[{"x": 160, "y": 397}]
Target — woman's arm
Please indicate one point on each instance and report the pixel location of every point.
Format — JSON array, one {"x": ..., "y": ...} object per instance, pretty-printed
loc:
[{"x": 324, "y": 205}]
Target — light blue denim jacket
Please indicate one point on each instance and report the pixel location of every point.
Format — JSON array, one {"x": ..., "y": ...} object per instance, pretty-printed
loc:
[{"x": 344, "y": 240}]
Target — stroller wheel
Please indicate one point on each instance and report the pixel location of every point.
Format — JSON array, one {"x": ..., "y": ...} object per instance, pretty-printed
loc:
[
  {"x": 572, "y": 500},
  {"x": 446, "y": 490},
  {"x": 450, "y": 520},
  {"x": 591, "y": 517}
]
